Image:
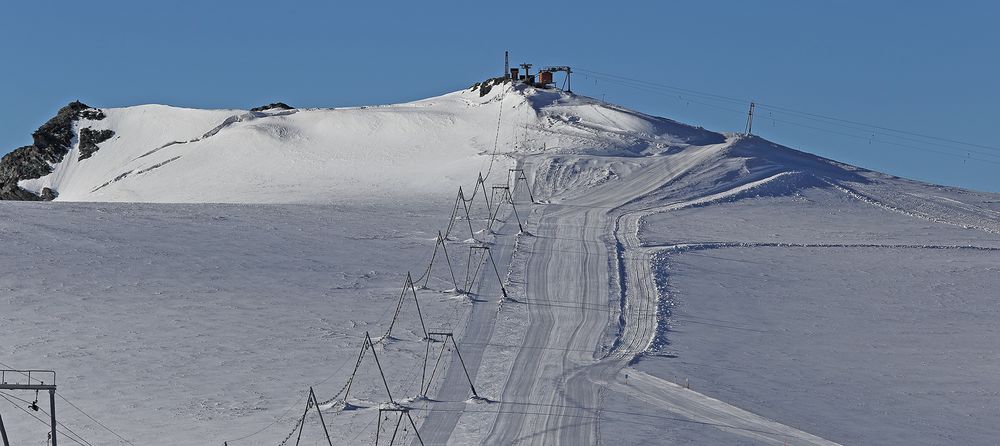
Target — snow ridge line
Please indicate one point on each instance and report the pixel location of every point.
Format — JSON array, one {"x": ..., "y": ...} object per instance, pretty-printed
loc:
[
  {"x": 140, "y": 172},
  {"x": 510, "y": 266},
  {"x": 648, "y": 308},
  {"x": 664, "y": 302},
  {"x": 703, "y": 409},
  {"x": 683, "y": 247},
  {"x": 880, "y": 204},
  {"x": 634, "y": 220},
  {"x": 662, "y": 252},
  {"x": 622, "y": 300},
  {"x": 619, "y": 250},
  {"x": 243, "y": 117}
]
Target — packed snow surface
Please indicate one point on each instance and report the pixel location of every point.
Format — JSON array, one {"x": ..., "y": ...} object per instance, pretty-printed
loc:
[
  {"x": 665, "y": 284},
  {"x": 359, "y": 154}
]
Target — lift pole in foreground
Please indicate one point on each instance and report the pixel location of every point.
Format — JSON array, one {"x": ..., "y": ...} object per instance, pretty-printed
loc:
[
  {"x": 3, "y": 433},
  {"x": 22, "y": 380}
]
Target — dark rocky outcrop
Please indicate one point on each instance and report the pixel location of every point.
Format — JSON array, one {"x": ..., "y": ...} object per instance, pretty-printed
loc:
[
  {"x": 273, "y": 106},
  {"x": 48, "y": 194},
  {"x": 90, "y": 138},
  {"x": 51, "y": 143},
  {"x": 487, "y": 85},
  {"x": 93, "y": 114},
  {"x": 54, "y": 137},
  {"x": 10, "y": 191}
]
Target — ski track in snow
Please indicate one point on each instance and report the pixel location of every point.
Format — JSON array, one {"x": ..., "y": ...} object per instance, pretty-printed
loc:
[
  {"x": 563, "y": 385},
  {"x": 585, "y": 297},
  {"x": 566, "y": 389}
]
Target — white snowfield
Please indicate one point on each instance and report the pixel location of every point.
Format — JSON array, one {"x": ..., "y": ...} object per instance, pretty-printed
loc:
[
  {"x": 424, "y": 149},
  {"x": 671, "y": 285}
]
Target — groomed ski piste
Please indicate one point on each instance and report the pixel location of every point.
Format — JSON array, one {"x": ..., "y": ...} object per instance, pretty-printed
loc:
[{"x": 665, "y": 284}]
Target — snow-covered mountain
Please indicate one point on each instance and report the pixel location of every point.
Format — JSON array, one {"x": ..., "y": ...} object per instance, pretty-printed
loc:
[
  {"x": 157, "y": 153},
  {"x": 667, "y": 284}
]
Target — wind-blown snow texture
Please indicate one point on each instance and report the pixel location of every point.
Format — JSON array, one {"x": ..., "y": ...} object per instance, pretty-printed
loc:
[
  {"x": 426, "y": 148},
  {"x": 803, "y": 301}
]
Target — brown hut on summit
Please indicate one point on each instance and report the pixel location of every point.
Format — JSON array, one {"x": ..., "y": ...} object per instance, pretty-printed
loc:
[{"x": 544, "y": 78}]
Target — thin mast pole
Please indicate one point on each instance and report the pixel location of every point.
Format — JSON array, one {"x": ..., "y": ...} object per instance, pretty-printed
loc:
[{"x": 3, "y": 433}]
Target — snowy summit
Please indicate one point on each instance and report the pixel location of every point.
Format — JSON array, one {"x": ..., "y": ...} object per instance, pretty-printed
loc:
[
  {"x": 157, "y": 153},
  {"x": 627, "y": 279}
]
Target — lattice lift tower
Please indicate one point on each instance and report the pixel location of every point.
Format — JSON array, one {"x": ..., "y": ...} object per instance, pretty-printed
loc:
[
  {"x": 23, "y": 380},
  {"x": 565, "y": 69}
]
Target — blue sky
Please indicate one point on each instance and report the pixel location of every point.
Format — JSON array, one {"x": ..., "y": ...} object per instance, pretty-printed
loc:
[{"x": 923, "y": 67}]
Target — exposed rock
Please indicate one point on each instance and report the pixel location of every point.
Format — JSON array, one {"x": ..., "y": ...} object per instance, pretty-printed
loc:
[
  {"x": 273, "y": 106},
  {"x": 23, "y": 163},
  {"x": 51, "y": 143},
  {"x": 10, "y": 191},
  {"x": 54, "y": 137},
  {"x": 90, "y": 138},
  {"x": 93, "y": 114},
  {"x": 48, "y": 194},
  {"x": 487, "y": 85}
]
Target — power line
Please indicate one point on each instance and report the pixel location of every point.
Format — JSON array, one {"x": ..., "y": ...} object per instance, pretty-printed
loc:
[
  {"x": 880, "y": 127},
  {"x": 880, "y": 137},
  {"x": 887, "y": 132},
  {"x": 670, "y": 87},
  {"x": 289, "y": 408},
  {"x": 93, "y": 419},
  {"x": 963, "y": 154},
  {"x": 496, "y": 139},
  {"x": 681, "y": 95},
  {"x": 907, "y": 146},
  {"x": 80, "y": 410},
  {"x": 363, "y": 429},
  {"x": 57, "y": 422},
  {"x": 791, "y": 110},
  {"x": 81, "y": 440}
]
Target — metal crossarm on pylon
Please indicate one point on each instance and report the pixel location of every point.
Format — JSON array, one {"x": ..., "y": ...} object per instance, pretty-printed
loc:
[
  {"x": 407, "y": 285},
  {"x": 518, "y": 177},
  {"x": 460, "y": 203},
  {"x": 311, "y": 402},
  {"x": 481, "y": 185},
  {"x": 11, "y": 379},
  {"x": 503, "y": 191},
  {"x": 446, "y": 336},
  {"x": 444, "y": 247},
  {"x": 402, "y": 412},
  {"x": 367, "y": 345},
  {"x": 470, "y": 279}
]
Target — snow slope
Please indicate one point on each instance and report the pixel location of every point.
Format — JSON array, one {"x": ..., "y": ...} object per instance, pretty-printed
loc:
[
  {"x": 422, "y": 148},
  {"x": 671, "y": 284}
]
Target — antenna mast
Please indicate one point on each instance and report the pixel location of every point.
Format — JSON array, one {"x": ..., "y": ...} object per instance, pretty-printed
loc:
[
  {"x": 750, "y": 120},
  {"x": 506, "y": 64}
]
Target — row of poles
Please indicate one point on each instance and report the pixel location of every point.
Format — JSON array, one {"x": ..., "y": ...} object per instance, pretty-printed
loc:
[{"x": 479, "y": 251}]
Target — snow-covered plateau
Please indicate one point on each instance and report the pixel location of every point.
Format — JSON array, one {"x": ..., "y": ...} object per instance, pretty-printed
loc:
[{"x": 200, "y": 270}]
